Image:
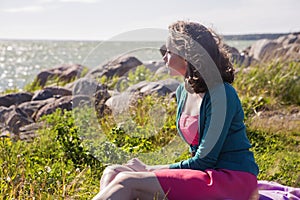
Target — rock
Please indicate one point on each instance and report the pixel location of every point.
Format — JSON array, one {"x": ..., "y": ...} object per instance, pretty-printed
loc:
[
  {"x": 121, "y": 102},
  {"x": 153, "y": 66},
  {"x": 162, "y": 71},
  {"x": 3, "y": 111},
  {"x": 64, "y": 103},
  {"x": 89, "y": 92},
  {"x": 80, "y": 101},
  {"x": 289, "y": 52},
  {"x": 4, "y": 133},
  {"x": 290, "y": 39},
  {"x": 14, "y": 118},
  {"x": 28, "y": 132},
  {"x": 64, "y": 73},
  {"x": 170, "y": 83},
  {"x": 163, "y": 50},
  {"x": 261, "y": 48},
  {"x": 234, "y": 52},
  {"x": 100, "y": 98},
  {"x": 85, "y": 86},
  {"x": 50, "y": 92},
  {"x": 155, "y": 88},
  {"x": 161, "y": 87},
  {"x": 14, "y": 98},
  {"x": 31, "y": 107},
  {"x": 137, "y": 87},
  {"x": 116, "y": 67},
  {"x": 284, "y": 48}
]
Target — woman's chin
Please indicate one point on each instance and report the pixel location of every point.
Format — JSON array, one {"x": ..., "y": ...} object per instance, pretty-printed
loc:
[{"x": 174, "y": 72}]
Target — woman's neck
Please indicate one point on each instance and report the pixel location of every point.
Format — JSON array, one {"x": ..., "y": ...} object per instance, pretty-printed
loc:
[{"x": 193, "y": 103}]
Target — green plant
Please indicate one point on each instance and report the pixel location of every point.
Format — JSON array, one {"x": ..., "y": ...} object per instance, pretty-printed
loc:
[
  {"x": 54, "y": 165},
  {"x": 277, "y": 156},
  {"x": 269, "y": 84},
  {"x": 11, "y": 90},
  {"x": 150, "y": 125}
]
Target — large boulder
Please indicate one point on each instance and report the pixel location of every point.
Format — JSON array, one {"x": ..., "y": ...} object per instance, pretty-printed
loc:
[
  {"x": 163, "y": 50},
  {"x": 120, "y": 103},
  {"x": 262, "y": 49},
  {"x": 137, "y": 87},
  {"x": 284, "y": 48},
  {"x": 28, "y": 132},
  {"x": 89, "y": 92},
  {"x": 153, "y": 66},
  {"x": 117, "y": 67},
  {"x": 3, "y": 112},
  {"x": 155, "y": 88},
  {"x": 100, "y": 98},
  {"x": 32, "y": 107},
  {"x": 86, "y": 86},
  {"x": 50, "y": 92},
  {"x": 162, "y": 87},
  {"x": 170, "y": 83},
  {"x": 64, "y": 103},
  {"x": 15, "y": 98},
  {"x": 14, "y": 118},
  {"x": 64, "y": 73}
]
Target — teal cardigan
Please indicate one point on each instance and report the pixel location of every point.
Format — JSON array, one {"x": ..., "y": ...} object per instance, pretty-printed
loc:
[{"x": 223, "y": 143}]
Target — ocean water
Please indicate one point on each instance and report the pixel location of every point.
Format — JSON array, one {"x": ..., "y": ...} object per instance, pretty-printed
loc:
[{"x": 22, "y": 60}]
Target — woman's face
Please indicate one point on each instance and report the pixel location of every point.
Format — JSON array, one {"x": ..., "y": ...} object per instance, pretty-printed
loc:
[{"x": 175, "y": 63}]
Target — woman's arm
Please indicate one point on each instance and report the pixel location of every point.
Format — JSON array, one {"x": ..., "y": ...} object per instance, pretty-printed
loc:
[{"x": 137, "y": 165}]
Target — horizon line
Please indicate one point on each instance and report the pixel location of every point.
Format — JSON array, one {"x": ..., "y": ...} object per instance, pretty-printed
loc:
[{"x": 145, "y": 40}]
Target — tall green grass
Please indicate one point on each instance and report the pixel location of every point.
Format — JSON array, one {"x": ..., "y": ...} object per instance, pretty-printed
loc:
[
  {"x": 268, "y": 86},
  {"x": 54, "y": 165}
]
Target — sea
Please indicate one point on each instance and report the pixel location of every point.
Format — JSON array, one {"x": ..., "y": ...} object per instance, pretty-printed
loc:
[{"x": 22, "y": 60}]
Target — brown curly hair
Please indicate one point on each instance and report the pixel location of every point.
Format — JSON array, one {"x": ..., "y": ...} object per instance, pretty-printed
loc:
[{"x": 211, "y": 43}]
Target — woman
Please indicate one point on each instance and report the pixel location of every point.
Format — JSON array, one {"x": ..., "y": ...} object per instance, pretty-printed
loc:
[{"x": 209, "y": 118}]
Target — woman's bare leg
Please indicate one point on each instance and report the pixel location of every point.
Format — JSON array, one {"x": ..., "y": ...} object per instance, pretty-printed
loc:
[
  {"x": 132, "y": 185},
  {"x": 110, "y": 173}
]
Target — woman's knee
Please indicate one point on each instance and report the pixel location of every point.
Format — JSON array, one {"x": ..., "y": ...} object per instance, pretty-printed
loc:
[
  {"x": 140, "y": 184},
  {"x": 126, "y": 178}
]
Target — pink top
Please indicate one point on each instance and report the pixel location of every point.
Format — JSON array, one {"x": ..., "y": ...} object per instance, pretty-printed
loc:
[{"x": 189, "y": 128}]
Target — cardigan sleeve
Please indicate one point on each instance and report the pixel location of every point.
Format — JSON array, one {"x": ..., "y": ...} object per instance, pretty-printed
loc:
[
  {"x": 218, "y": 110},
  {"x": 178, "y": 93}
]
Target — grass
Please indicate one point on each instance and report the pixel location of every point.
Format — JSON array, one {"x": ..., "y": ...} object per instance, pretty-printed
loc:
[{"x": 67, "y": 158}]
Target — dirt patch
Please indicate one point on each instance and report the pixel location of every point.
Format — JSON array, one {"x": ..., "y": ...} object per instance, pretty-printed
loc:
[{"x": 281, "y": 120}]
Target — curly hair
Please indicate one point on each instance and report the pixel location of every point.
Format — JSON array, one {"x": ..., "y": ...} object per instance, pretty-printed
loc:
[{"x": 211, "y": 43}]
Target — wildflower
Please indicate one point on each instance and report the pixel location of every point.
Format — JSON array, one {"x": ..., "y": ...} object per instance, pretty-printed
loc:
[
  {"x": 48, "y": 169},
  {"x": 173, "y": 127}
]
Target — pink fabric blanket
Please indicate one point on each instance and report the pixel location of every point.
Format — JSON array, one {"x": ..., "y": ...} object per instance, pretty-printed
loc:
[{"x": 269, "y": 190}]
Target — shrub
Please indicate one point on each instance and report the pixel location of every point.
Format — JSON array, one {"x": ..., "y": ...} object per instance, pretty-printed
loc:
[{"x": 264, "y": 86}]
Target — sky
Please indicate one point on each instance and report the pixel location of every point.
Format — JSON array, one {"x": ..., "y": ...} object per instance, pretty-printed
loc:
[{"x": 105, "y": 19}]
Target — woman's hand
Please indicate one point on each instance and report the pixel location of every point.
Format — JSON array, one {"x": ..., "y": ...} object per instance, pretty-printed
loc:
[{"x": 137, "y": 165}]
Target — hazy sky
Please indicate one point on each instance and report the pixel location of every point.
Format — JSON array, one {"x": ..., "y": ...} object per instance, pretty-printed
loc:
[{"x": 103, "y": 19}]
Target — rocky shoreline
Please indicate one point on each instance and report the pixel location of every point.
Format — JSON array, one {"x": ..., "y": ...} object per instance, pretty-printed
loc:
[{"x": 20, "y": 112}]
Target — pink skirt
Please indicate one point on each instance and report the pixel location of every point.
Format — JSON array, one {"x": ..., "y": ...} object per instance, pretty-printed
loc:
[{"x": 179, "y": 184}]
